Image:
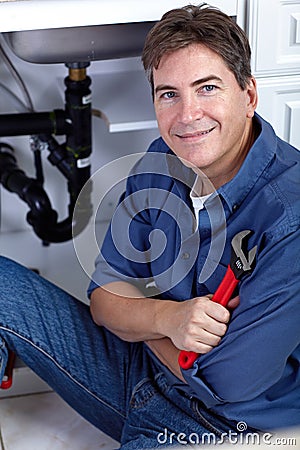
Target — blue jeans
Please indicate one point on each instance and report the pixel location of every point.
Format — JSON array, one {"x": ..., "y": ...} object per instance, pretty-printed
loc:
[{"x": 115, "y": 385}]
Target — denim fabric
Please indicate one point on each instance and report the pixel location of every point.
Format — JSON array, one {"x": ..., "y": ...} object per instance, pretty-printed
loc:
[{"x": 115, "y": 385}]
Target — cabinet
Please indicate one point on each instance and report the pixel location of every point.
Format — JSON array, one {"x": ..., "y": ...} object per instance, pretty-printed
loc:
[{"x": 274, "y": 34}]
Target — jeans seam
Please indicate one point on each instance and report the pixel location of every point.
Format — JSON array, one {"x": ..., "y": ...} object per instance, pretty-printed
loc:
[
  {"x": 204, "y": 421},
  {"x": 62, "y": 369},
  {"x": 146, "y": 396}
]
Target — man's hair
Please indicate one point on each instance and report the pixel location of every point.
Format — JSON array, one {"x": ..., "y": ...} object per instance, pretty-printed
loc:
[{"x": 205, "y": 25}]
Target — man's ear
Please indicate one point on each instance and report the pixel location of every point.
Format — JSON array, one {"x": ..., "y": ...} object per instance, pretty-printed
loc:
[{"x": 251, "y": 89}]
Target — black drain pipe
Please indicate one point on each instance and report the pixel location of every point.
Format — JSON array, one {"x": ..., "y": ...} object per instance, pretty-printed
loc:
[
  {"x": 23, "y": 124},
  {"x": 72, "y": 158}
]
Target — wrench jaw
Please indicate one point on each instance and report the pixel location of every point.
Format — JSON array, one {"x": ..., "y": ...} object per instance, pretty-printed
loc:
[{"x": 242, "y": 261}]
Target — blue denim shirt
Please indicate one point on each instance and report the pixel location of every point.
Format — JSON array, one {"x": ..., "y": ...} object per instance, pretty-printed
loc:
[{"x": 253, "y": 375}]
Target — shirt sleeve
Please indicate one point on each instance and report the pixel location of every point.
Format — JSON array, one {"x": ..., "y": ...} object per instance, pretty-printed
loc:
[
  {"x": 123, "y": 255},
  {"x": 260, "y": 350}
]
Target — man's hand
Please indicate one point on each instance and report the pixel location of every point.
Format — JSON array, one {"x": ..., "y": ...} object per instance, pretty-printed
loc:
[
  {"x": 168, "y": 353},
  {"x": 197, "y": 324}
]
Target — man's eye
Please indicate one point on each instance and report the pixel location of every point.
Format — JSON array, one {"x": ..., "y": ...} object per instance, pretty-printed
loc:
[
  {"x": 209, "y": 88},
  {"x": 168, "y": 95}
]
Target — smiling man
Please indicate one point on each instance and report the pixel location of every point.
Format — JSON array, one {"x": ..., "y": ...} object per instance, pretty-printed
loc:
[
  {"x": 217, "y": 169},
  {"x": 214, "y": 150},
  {"x": 203, "y": 114}
]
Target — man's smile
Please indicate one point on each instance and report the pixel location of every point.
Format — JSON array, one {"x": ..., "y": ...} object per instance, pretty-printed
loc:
[{"x": 194, "y": 134}]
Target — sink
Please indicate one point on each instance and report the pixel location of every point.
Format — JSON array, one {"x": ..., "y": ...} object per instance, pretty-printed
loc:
[
  {"x": 66, "y": 31},
  {"x": 79, "y": 44}
]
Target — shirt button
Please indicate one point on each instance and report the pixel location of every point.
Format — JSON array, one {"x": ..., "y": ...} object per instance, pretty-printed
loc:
[
  {"x": 235, "y": 207},
  {"x": 185, "y": 255}
]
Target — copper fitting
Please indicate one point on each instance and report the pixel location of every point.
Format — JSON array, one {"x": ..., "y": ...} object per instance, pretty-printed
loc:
[{"x": 77, "y": 74}]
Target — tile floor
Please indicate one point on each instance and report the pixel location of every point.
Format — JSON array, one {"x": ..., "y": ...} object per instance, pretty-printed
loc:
[{"x": 43, "y": 421}]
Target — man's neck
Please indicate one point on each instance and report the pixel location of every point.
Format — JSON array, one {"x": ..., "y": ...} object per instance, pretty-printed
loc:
[{"x": 227, "y": 173}]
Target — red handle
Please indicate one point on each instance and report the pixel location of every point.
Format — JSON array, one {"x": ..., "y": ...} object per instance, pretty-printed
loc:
[
  {"x": 186, "y": 359},
  {"x": 226, "y": 288},
  {"x": 8, "y": 374},
  {"x": 222, "y": 295}
]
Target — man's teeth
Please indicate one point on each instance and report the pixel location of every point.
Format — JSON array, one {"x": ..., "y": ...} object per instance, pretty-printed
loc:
[{"x": 196, "y": 133}]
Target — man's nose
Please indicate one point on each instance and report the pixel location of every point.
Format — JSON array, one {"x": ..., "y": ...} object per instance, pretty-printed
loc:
[{"x": 190, "y": 109}]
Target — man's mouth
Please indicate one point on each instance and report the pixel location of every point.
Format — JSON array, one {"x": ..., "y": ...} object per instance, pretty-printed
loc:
[{"x": 194, "y": 134}]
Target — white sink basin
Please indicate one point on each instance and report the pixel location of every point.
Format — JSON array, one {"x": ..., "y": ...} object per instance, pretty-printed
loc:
[
  {"x": 60, "y": 31},
  {"x": 79, "y": 44}
]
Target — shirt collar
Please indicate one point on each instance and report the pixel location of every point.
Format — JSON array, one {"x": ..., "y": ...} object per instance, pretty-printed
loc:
[
  {"x": 258, "y": 158},
  {"x": 260, "y": 155}
]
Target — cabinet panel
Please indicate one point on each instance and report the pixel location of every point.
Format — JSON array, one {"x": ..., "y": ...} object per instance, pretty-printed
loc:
[
  {"x": 293, "y": 121},
  {"x": 279, "y": 103},
  {"x": 274, "y": 33}
]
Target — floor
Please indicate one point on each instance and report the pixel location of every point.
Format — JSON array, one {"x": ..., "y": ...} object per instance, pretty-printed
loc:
[{"x": 43, "y": 421}]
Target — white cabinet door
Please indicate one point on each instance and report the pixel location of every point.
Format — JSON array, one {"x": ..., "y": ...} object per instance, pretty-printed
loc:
[
  {"x": 274, "y": 33},
  {"x": 279, "y": 103}
]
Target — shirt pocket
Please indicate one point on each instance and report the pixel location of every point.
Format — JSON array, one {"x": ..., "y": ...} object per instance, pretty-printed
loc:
[{"x": 210, "y": 278}]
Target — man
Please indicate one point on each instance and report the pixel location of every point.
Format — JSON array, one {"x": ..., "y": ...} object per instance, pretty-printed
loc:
[{"x": 217, "y": 169}]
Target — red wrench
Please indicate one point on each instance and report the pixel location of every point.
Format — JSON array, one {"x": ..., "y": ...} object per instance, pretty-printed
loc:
[
  {"x": 8, "y": 374},
  {"x": 241, "y": 264}
]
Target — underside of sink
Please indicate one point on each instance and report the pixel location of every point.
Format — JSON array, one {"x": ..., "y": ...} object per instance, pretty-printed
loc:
[{"x": 79, "y": 44}]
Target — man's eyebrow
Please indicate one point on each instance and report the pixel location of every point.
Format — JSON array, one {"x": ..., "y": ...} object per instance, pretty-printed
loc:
[
  {"x": 206, "y": 79},
  {"x": 167, "y": 87},
  {"x": 164, "y": 87}
]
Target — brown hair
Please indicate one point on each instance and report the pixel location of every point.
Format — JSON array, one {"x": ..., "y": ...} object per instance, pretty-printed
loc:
[{"x": 202, "y": 24}]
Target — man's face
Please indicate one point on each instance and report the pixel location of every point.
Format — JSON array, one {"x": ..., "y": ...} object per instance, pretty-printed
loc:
[{"x": 203, "y": 114}]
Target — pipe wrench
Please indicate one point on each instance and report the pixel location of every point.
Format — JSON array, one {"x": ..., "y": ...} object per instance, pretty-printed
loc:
[{"x": 242, "y": 263}]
